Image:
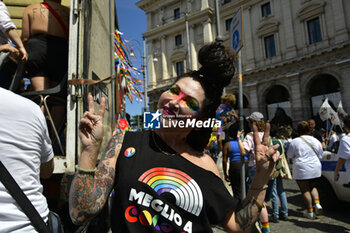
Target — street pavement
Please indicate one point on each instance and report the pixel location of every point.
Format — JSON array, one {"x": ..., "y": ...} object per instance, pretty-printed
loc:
[{"x": 336, "y": 220}]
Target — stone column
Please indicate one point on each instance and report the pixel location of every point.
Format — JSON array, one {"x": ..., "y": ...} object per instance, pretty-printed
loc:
[
  {"x": 341, "y": 32},
  {"x": 164, "y": 61},
  {"x": 193, "y": 49},
  {"x": 296, "y": 98},
  {"x": 253, "y": 97},
  {"x": 289, "y": 32},
  {"x": 149, "y": 21},
  {"x": 151, "y": 73},
  {"x": 247, "y": 40},
  {"x": 345, "y": 82},
  {"x": 204, "y": 4},
  {"x": 207, "y": 31}
]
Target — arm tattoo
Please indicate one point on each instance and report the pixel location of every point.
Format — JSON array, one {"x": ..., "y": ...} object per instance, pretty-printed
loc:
[
  {"x": 113, "y": 145},
  {"x": 90, "y": 191},
  {"x": 244, "y": 215}
]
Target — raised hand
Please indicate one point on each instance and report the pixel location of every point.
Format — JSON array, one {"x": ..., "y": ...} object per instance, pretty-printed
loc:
[
  {"x": 265, "y": 156},
  {"x": 91, "y": 125}
]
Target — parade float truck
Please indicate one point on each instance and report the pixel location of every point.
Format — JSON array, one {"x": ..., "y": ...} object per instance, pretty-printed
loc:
[
  {"x": 91, "y": 68},
  {"x": 330, "y": 191}
]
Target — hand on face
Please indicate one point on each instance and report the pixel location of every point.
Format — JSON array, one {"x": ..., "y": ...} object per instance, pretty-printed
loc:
[
  {"x": 91, "y": 125},
  {"x": 265, "y": 156}
]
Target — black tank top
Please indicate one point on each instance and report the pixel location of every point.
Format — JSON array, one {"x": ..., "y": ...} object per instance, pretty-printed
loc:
[{"x": 155, "y": 192}]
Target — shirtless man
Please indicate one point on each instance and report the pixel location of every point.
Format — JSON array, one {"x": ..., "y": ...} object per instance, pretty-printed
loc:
[{"x": 46, "y": 41}]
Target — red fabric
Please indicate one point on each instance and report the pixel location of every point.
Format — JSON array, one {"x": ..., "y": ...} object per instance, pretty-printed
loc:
[{"x": 57, "y": 17}]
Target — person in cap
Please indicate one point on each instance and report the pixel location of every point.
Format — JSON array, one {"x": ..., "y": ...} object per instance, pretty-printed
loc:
[{"x": 256, "y": 118}]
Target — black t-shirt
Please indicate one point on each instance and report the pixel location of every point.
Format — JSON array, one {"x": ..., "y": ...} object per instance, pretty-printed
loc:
[{"x": 155, "y": 192}]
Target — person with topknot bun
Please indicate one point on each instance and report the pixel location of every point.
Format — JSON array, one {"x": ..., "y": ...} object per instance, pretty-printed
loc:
[{"x": 163, "y": 181}]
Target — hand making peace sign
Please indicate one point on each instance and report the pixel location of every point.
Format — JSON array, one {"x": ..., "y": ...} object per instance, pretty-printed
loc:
[
  {"x": 265, "y": 156},
  {"x": 91, "y": 125}
]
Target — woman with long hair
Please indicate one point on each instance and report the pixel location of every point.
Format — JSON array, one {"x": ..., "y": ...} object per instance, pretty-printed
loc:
[{"x": 162, "y": 179}]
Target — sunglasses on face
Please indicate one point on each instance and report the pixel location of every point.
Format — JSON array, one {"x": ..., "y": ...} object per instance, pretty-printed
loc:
[{"x": 180, "y": 96}]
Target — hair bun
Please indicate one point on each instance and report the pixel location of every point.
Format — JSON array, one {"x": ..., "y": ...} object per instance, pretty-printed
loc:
[{"x": 217, "y": 64}]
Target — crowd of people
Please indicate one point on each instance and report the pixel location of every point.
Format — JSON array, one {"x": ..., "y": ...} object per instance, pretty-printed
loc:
[{"x": 161, "y": 180}]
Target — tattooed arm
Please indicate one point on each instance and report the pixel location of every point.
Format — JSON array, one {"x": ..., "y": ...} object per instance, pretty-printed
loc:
[
  {"x": 89, "y": 190},
  {"x": 244, "y": 217}
]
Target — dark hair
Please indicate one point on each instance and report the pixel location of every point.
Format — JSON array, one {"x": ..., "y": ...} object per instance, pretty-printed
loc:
[
  {"x": 233, "y": 129},
  {"x": 215, "y": 74},
  {"x": 347, "y": 121},
  {"x": 303, "y": 128}
]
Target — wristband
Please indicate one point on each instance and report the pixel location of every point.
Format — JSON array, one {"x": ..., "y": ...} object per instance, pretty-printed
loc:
[{"x": 85, "y": 170}]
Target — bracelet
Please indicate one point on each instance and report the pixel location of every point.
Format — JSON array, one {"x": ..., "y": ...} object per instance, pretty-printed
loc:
[
  {"x": 260, "y": 206},
  {"x": 260, "y": 189},
  {"x": 85, "y": 170}
]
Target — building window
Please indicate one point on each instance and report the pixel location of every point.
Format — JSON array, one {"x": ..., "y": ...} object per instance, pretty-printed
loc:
[
  {"x": 228, "y": 23},
  {"x": 178, "y": 40},
  {"x": 226, "y": 1},
  {"x": 313, "y": 27},
  {"x": 177, "y": 13},
  {"x": 266, "y": 9},
  {"x": 270, "y": 50},
  {"x": 180, "y": 68}
]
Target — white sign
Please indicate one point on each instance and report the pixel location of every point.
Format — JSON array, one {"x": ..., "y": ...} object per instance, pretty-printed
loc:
[{"x": 236, "y": 31}]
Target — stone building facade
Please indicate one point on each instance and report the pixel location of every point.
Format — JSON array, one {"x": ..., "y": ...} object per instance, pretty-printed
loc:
[{"x": 295, "y": 54}]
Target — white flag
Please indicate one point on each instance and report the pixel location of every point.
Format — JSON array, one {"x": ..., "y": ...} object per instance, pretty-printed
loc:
[
  {"x": 341, "y": 111},
  {"x": 324, "y": 110}
]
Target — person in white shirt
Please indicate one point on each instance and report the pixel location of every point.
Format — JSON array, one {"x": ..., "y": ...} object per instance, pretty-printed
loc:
[
  {"x": 8, "y": 33},
  {"x": 26, "y": 152},
  {"x": 344, "y": 152},
  {"x": 306, "y": 152}
]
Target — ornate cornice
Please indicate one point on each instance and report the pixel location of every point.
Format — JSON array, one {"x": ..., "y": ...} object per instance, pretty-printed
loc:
[{"x": 311, "y": 9}]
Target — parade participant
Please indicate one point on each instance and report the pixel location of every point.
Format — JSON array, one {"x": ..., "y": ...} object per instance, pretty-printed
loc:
[
  {"x": 25, "y": 151},
  {"x": 276, "y": 189},
  {"x": 8, "y": 32},
  {"x": 234, "y": 150},
  {"x": 306, "y": 152},
  {"x": 9, "y": 48},
  {"x": 9, "y": 37},
  {"x": 225, "y": 110},
  {"x": 314, "y": 132},
  {"x": 256, "y": 118},
  {"x": 344, "y": 152},
  {"x": 161, "y": 182},
  {"x": 45, "y": 35}
]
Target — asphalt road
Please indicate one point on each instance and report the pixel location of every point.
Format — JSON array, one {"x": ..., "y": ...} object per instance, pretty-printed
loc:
[{"x": 334, "y": 220}]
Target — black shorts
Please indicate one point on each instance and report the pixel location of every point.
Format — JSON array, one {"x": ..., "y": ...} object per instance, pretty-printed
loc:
[{"x": 47, "y": 56}]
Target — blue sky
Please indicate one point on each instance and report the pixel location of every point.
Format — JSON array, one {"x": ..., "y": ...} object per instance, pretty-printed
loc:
[{"x": 132, "y": 23}]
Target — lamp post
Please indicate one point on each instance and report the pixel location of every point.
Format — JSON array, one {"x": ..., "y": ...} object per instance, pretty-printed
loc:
[{"x": 143, "y": 66}]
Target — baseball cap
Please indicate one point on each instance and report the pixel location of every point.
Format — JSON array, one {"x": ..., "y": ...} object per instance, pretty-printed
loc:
[{"x": 257, "y": 116}]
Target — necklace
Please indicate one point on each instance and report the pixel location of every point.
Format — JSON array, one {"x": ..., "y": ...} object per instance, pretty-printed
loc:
[{"x": 158, "y": 147}]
